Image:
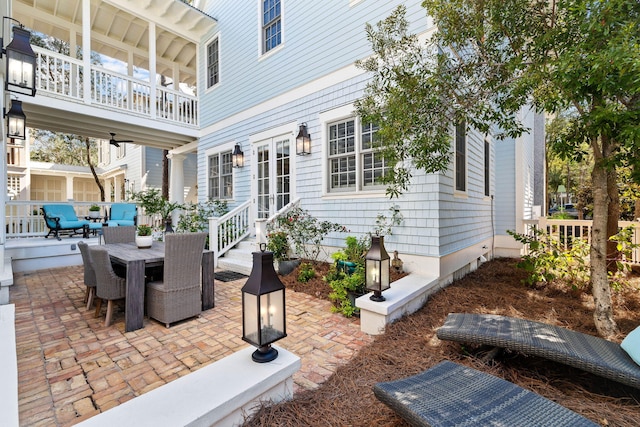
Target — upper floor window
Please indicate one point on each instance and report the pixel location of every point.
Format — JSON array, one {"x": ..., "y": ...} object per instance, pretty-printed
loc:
[
  {"x": 271, "y": 24},
  {"x": 213, "y": 63},
  {"x": 354, "y": 162},
  {"x": 121, "y": 151},
  {"x": 461, "y": 157},
  {"x": 220, "y": 176}
]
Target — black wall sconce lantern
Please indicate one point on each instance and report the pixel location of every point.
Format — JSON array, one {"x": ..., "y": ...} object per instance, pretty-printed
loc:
[
  {"x": 237, "y": 157},
  {"x": 263, "y": 310},
  {"x": 377, "y": 268},
  {"x": 16, "y": 120},
  {"x": 20, "y": 76},
  {"x": 303, "y": 141}
]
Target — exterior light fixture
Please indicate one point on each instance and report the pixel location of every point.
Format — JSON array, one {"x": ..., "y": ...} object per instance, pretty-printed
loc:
[
  {"x": 16, "y": 120},
  {"x": 377, "y": 269},
  {"x": 237, "y": 157},
  {"x": 263, "y": 315},
  {"x": 20, "y": 76},
  {"x": 303, "y": 141}
]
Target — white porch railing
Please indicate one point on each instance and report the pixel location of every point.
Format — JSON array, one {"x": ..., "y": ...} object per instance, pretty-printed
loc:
[
  {"x": 24, "y": 218},
  {"x": 262, "y": 223},
  {"x": 563, "y": 231},
  {"x": 62, "y": 76},
  {"x": 226, "y": 231}
]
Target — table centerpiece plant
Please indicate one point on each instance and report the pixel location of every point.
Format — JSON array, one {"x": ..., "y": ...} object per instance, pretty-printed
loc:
[{"x": 144, "y": 239}]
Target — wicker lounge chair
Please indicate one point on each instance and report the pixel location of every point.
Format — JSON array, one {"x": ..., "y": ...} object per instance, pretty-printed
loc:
[
  {"x": 179, "y": 295},
  {"x": 119, "y": 234},
  {"x": 110, "y": 286},
  {"x": 587, "y": 352},
  {"x": 454, "y": 395},
  {"x": 89, "y": 274}
]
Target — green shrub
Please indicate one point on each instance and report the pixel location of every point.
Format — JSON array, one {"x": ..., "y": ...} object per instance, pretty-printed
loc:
[{"x": 306, "y": 272}]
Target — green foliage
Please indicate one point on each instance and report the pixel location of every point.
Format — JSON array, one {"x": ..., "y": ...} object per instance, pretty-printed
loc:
[
  {"x": 384, "y": 225},
  {"x": 354, "y": 251},
  {"x": 195, "y": 217},
  {"x": 342, "y": 285},
  {"x": 153, "y": 203},
  {"x": 548, "y": 260},
  {"x": 144, "y": 230},
  {"x": 304, "y": 232},
  {"x": 94, "y": 208},
  {"x": 278, "y": 243},
  {"x": 306, "y": 272}
]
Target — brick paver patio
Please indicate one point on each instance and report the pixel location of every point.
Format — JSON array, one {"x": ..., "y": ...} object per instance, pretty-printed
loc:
[{"x": 70, "y": 367}]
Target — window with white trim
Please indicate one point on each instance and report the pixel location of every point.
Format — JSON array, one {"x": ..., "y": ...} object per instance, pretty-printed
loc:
[
  {"x": 220, "y": 176},
  {"x": 354, "y": 162},
  {"x": 461, "y": 157},
  {"x": 271, "y": 25},
  {"x": 213, "y": 63},
  {"x": 121, "y": 151}
]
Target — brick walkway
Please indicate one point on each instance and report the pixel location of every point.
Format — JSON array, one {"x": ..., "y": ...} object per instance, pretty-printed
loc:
[{"x": 70, "y": 367}]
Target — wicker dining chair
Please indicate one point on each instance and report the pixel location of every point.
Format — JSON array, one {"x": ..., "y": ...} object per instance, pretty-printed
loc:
[
  {"x": 178, "y": 295},
  {"x": 119, "y": 234},
  {"x": 110, "y": 286},
  {"x": 89, "y": 274}
]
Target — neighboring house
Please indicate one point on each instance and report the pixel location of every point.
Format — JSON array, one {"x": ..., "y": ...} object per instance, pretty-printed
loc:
[{"x": 262, "y": 69}]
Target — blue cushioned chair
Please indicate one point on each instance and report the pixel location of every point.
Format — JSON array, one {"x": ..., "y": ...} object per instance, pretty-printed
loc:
[
  {"x": 62, "y": 218},
  {"x": 123, "y": 214}
]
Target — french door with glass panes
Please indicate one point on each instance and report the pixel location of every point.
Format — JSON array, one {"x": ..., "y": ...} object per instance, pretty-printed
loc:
[{"x": 272, "y": 175}]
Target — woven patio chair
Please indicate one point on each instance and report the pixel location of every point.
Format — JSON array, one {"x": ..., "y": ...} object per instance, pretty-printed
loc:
[
  {"x": 110, "y": 286},
  {"x": 587, "y": 352},
  {"x": 450, "y": 394},
  {"x": 119, "y": 234},
  {"x": 178, "y": 295},
  {"x": 89, "y": 274}
]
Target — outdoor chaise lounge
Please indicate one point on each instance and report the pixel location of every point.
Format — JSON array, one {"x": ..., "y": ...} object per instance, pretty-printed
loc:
[
  {"x": 587, "y": 352},
  {"x": 450, "y": 394}
]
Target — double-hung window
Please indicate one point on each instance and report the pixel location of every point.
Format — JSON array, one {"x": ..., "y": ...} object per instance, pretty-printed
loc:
[
  {"x": 213, "y": 62},
  {"x": 461, "y": 157},
  {"x": 354, "y": 162},
  {"x": 271, "y": 25},
  {"x": 220, "y": 176}
]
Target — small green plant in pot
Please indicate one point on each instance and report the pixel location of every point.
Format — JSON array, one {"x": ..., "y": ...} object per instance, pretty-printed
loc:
[
  {"x": 144, "y": 230},
  {"x": 278, "y": 243},
  {"x": 144, "y": 239},
  {"x": 94, "y": 211},
  {"x": 345, "y": 288}
]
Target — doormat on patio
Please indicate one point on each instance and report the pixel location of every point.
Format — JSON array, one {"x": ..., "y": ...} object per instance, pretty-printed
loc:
[{"x": 228, "y": 276}]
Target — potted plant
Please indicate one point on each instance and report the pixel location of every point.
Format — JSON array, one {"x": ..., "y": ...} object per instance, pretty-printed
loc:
[
  {"x": 144, "y": 239},
  {"x": 94, "y": 211},
  {"x": 278, "y": 243},
  {"x": 153, "y": 203}
]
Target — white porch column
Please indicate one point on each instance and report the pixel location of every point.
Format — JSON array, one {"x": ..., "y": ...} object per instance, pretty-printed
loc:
[
  {"x": 69, "y": 186},
  {"x": 176, "y": 177},
  {"x": 86, "y": 48}
]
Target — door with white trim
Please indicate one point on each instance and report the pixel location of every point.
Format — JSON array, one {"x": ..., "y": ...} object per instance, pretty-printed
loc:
[{"x": 272, "y": 175}]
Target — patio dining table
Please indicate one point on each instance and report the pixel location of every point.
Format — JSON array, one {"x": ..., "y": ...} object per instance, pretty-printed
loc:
[{"x": 137, "y": 261}]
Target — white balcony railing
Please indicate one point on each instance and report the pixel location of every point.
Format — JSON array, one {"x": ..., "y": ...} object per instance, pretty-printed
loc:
[{"x": 62, "y": 76}]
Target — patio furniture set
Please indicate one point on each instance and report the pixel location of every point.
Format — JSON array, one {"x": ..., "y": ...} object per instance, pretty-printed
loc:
[
  {"x": 61, "y": 218},
  {"x": 175, "y": 275},
  {"x": 450, "y": 394}
]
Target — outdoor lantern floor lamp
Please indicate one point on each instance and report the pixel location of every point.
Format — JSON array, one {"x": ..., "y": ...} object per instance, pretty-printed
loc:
[
  {"x": 263, "y": 309},
  {"x": 377, "y": 268},
  {"x": 237, "y": 157},
  {"x": 16, "y": 120},
  {"x": 20, "y": 76},
  {"x": 303, "y": 141}
]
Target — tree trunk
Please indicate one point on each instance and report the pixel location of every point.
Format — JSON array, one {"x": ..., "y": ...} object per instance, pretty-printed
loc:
[
  {"x": 613, "y": 212},
  {"x": 93, "y": 169},
  {"x": 603, "y": 313}
]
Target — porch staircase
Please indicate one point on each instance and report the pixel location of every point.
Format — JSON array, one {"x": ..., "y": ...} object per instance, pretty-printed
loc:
[{"x": 239, "y": 259}]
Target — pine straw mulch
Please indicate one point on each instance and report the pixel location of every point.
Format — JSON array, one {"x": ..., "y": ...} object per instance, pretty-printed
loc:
[{"x": 410, "y": 346}]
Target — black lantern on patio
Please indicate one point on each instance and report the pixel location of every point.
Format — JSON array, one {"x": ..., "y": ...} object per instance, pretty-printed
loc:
[
  {"x": 377, "y": 268},
  {"x": 237, "y": 157},
  {"x": 16, "y": 120},
  {"x": 20, "y": 76},
  {"x": 303, "y": 141},
  {"x": 263, "y": 312}
]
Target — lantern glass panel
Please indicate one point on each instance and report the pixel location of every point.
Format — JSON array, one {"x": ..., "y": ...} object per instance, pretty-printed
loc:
[
  {"x": 384, "y": 266},
  {"x": 250, "y": 318},
  {"x": 372, "y": 271},
  {"x": 20, "y": 69},
  {"x": 272, "y": 316},
  {"x": 16, "y": 127}
]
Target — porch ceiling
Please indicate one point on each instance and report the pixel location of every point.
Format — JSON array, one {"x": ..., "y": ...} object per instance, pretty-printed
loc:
[
  {"x": 142, "y": 131},
  {"x": 122, "y": 26}
]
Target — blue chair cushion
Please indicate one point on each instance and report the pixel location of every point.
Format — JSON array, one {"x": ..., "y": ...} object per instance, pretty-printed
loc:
[
  {"x": 128, "y": 215},
  {"x": 631, "y": 344},
  {"x": 95, "y": 226}
]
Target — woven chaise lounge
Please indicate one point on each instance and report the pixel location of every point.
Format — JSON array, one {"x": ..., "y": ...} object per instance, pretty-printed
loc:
[
  {"x": 587, "y": 352},
  {"x": 454, "y": 395}
]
